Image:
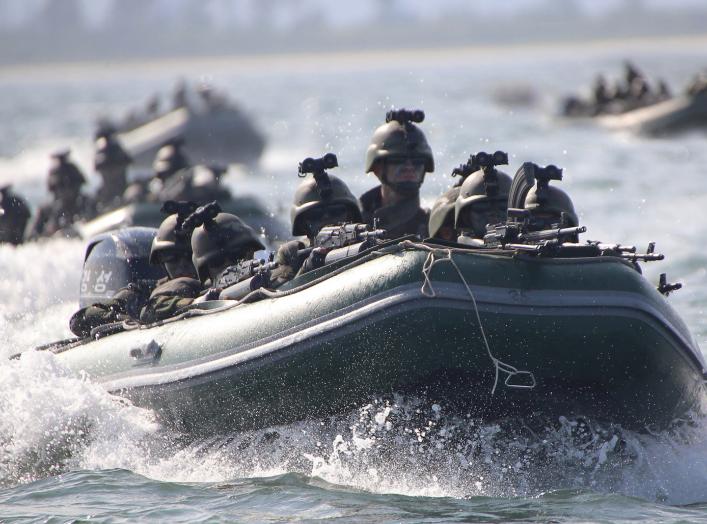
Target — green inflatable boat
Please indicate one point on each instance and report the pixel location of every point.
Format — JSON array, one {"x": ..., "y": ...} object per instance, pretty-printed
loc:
[{"x": 490, "y": 332}]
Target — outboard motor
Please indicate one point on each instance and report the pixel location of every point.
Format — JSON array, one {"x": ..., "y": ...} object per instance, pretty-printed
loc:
[{"x": 115, "y": 259}]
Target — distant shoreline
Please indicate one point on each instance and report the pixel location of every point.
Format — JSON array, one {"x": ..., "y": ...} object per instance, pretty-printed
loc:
[{"x": 344, "y": 60}]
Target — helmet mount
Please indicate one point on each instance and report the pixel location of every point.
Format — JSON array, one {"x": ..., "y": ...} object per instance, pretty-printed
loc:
[
  {"x": 182, "y": 209},
  {"x": 317, "y": 167},
  {"x": 485, "y": 162}
]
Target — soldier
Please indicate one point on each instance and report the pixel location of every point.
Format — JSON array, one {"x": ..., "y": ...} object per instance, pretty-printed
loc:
[
  {"x": 549, "y": 207},
  {"x": 170, "y": 159},
  {"x": 482, "y": 200},
  {"x": 199, "y": 184},
  {"x": 69, "y": 205},
  {"x": 171, "y": 249},
  {"x": 399, "y": 156},
  {"x": 219, "y": 241},
  {"x": 600, "y": 93},
  {"x": 322, "y": 200},
  {"x": 111, "y": 161},
  {"x": 14, "y": 215}
]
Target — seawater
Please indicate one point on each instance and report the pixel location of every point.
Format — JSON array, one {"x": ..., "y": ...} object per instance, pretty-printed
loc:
[{"x": 70, "y": 452}]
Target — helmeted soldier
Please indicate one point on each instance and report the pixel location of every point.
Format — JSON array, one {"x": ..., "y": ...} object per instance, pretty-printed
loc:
[
  {"x": 111, "y": 161},
  {"x": 173, "y": 173},
  {"x": 14, "y": 215},
  {"x": 219, "y": 241},
  {"x": 550, "y": 207},
  {"x": 170, "y": 255},
  {"x": 322, "y": 200},
  {"x": 69, "y": 205},
  {"x": 170, "y": 159},
  {"x": 198, "y": 184},
  {"x": 600, "y": 92},
  {"x": 483, "y": 198},
  {"x": 399, "y": 156},
  {"x": 171, "y": 249}
]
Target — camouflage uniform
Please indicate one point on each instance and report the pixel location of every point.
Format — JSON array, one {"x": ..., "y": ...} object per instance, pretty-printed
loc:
[
  {"x": 125, "y": 304},
  {"x": 403, "y": 218},
  {"x": 169, "y": 298}
]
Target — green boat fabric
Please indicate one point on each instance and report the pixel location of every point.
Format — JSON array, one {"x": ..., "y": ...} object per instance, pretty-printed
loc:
[{"x": 495, "y": 332}]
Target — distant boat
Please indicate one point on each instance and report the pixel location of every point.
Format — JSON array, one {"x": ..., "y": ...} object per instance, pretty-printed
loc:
[
  {"x": 215, "y": 129},
  {"x": 672, "y": 115},
  {"x": 216, "y": 136}
]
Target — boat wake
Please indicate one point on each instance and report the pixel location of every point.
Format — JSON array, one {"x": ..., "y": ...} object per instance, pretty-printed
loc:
[{"x": 54, "y": 422}]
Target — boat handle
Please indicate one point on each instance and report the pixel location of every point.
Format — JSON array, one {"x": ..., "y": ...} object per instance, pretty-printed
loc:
[{"x": 146, "y": 354}]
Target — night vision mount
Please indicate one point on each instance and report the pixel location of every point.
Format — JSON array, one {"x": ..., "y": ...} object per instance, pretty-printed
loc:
[
  {"x": 481, "y": 160},
  {"x": 203, "y": 215},
  {"x": 403, "y": 116},
  {"x": 182, "y": 209},
  {"x": 486, "y": 162},
  {"x": 317, "y": 167},
  {"x": 526, "y": 177}
]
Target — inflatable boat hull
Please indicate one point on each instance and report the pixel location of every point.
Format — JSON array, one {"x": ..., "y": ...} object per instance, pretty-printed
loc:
[{"x": 590, "y": 336}]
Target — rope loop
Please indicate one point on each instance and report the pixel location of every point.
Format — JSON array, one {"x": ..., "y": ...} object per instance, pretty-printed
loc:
[{"x": 438, "y": 256}]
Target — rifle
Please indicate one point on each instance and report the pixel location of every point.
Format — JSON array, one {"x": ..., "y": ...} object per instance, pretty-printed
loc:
[
  {"x": 333, "y": 243},
  {"x": 334, "y": 237}
]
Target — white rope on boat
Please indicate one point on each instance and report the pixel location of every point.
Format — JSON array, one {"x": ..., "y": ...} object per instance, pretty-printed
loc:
[{"x": 428, "y": 290}]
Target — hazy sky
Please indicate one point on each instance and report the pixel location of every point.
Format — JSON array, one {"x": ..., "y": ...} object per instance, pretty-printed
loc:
[{"x": 14, "y": 12}]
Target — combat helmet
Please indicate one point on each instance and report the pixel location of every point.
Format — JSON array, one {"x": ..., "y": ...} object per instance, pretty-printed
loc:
[
  {"x": 172, "y": 237},
  {"x": 531, "y": 190},
  {"x": 400, "y": 137},
  {"x": 553, "y": 201},
  {"x": 63, "y": 172},
  {"x": 320, "y": 192},
  {"x": 109, "y": 152},
  {"x": 484, "y": 190},
  {"x": 169, "y": 159},
  {"x": 441, "y": 214},
  {"x": 218, "y": 235}
]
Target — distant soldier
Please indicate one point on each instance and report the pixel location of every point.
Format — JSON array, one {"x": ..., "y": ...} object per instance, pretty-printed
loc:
[
  {"x": 399, "y": 156},
  {"x": 601, "y": 93},
  {"x": 14, "y": 215},
  {"x": 170, "y": 159},
  {"x": 664, "y": 90},
  {"x": 198, "y": 184},
  {"x": 631, "y": 72},
  {"x": 111, "y": 161},
  {"x": 69, "y": 204}
]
